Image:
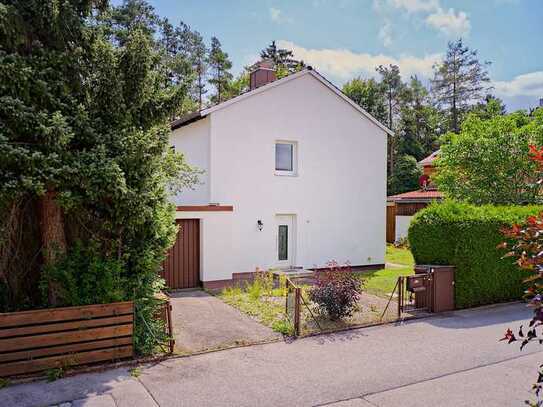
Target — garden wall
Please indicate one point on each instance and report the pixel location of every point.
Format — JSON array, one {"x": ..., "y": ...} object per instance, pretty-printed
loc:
[{"x": 466, "y": 236}]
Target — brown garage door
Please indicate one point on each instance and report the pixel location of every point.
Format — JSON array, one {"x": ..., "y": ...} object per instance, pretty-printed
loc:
[{"x": 182, "y": 266}]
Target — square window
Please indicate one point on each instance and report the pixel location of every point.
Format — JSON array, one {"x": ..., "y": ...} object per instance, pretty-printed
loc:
[{"x": 285, "y": 158}]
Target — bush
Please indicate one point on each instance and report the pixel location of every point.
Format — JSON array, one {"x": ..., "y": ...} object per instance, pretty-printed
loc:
[
  {"x": 467, "y": 237},
  {"x": 336, "y": 291},
  {"x": 84, "y": 277}
]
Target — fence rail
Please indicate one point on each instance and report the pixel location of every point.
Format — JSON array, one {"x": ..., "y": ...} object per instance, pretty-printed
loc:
[{"x": 32, "y": 341}]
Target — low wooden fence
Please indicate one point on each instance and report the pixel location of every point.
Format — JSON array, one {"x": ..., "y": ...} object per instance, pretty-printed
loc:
[{"x": 32, "y": 341}]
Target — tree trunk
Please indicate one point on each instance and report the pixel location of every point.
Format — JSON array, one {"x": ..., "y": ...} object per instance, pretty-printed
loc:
[{"x": 53, "y": 237}]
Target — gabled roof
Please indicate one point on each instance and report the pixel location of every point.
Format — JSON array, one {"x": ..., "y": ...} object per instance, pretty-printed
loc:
[
  {"x": 430, "y": 159},
  {"x": 192, "y": 117},
  {"x": 417, "y": 196}
]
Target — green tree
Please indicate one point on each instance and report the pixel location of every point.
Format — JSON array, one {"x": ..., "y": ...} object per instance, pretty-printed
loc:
[
  {"x": 85, "y": 154},
  {"x": 395, "y": 92},
  {"x": 369, "y": 95},
  {"x": 406, "y": 176},
  {"x": 420, "y": 122},
  {"x": 490, "y": 107},
  {"x": 284, "y": 60},
  {"x": 459, "y": 81},
  {"x": 220, "y": 67},
  {"x": 488, "y": 161}
]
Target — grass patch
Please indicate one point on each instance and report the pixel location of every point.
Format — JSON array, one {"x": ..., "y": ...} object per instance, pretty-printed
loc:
[
  {"x": 382, "y": 282},
  {"x": 399, "y": 256}
]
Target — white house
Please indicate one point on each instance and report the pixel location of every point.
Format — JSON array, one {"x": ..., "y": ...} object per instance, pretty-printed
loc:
[{"x": 295, "y": 176}]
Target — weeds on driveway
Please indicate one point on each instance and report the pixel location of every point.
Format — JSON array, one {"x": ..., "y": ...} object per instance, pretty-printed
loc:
[{"x": 262, "y": 299}]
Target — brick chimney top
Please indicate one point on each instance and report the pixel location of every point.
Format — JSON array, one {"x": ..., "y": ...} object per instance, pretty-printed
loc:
[{"x": 262, "y": 73}]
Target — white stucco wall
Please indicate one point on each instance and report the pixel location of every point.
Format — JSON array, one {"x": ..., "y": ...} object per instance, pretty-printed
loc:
[
  {"x": 402, "y": 226},
  {"x": 338, "y": 197},
  {"x": 193, "y": 142}
]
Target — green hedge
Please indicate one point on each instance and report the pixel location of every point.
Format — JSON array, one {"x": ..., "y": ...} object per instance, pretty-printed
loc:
[{"x": 466, "y": 236}]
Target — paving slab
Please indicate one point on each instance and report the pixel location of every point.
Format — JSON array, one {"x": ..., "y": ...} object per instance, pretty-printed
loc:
[
  {"x": 117, "y": 384},
  {"x": 98, "y": 401},
  {"x": 204, "y": 322},
  {"x": 496, "y": 385}
]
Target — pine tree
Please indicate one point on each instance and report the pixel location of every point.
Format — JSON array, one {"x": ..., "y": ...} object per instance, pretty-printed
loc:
[
  {"x": 282, "y": 58},
  {"x": 220, "y": 66},
  {"x": 199, "y": 63},
  {"x": 459, "y": 80},
  {"x": 394, "y": 91}
]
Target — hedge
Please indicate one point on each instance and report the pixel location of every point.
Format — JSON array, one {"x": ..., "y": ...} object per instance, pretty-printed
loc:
[{"x": 466, "y": 236}]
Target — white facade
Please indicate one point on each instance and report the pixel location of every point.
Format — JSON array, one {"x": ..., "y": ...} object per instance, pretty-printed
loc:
[
  {"x": 402, "y": 226},
  {"x": 334, "y": 203}
]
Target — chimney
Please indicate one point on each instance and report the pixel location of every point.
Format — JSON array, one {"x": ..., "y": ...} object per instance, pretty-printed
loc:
[{"x": 262, "y": 73}]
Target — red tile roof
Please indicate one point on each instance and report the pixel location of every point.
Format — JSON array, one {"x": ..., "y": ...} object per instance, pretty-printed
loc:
[
  {"x": 430, "y": 159},
  {"x": 419, "y": 195}
]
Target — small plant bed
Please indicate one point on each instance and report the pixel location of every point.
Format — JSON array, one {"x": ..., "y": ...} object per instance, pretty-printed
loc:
[
  {"x": 263, "y": 299},
  {"x": 368, "y": 311}
]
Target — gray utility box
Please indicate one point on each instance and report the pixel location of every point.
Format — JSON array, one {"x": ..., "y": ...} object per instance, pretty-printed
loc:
[{"x": 439, "y": 293}]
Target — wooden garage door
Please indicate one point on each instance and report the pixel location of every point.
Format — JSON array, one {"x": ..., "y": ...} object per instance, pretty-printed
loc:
[{"x": 182, "y": 266}]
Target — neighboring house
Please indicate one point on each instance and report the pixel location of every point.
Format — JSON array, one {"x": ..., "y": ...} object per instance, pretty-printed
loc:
[
  {"x": 295, "y": 176},
  {"x": 402, "y": 207}
]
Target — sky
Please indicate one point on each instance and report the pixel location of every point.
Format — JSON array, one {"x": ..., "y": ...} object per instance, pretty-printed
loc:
[{"x": 343, "y": 39}]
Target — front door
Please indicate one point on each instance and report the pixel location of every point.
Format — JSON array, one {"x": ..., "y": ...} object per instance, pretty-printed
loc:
[{"x": 285, "y": 237}]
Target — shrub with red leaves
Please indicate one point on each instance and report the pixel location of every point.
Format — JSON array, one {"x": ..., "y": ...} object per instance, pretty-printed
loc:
[
  {"x": 526, "y": 246},
  {"x": 336, "y": 291}
]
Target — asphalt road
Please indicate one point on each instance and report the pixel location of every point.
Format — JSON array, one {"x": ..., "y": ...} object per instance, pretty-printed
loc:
[{"x": 451, "y": 360}]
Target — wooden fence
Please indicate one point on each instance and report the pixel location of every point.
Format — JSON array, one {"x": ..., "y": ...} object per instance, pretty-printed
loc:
[
  {"x": 32, "y": 341},
  {"x": 391, "y": 223}
]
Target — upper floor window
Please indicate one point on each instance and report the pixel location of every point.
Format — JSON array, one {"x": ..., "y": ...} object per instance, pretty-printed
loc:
[{"x": 285, "y": 158}]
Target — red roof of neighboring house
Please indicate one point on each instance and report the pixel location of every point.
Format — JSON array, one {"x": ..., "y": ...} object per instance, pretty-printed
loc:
[
  {"x": 417, "y": 196},
  {"x": 430, "y": 159}
]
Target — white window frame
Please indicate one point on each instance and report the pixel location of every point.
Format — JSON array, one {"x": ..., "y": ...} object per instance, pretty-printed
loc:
[{"x": 294, "y": 171}]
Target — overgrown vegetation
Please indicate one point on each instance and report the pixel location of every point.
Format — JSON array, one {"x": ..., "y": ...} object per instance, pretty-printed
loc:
[
  {"x": 87, "y": 93},
  {"x": 466, "y": 237},
  {"x": 336, "y": 291},
  {"x": 261, "y": 300}
]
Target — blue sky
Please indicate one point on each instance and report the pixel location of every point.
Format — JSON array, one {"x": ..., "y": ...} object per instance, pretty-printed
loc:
[{"x": 346, "y": 38}]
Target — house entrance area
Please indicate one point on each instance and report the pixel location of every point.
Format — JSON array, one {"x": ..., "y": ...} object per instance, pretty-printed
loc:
[
  {"x": 181, "y": 269},
  {"x": 286, "y": 240}
]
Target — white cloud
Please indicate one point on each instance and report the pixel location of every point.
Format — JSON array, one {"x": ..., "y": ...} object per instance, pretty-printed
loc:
[
  {"x": 414, "y": 6},
  {"x": 343, "y": 64},
  {"x": 449, "y": 22},
  {"x": 529, "y": 84},
  {"x": 385, "y": 34},
  {"x": 276, "y": 15}
]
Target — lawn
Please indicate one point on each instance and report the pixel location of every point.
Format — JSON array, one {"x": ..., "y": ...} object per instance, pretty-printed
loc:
[{"x": 382, "y": 282}]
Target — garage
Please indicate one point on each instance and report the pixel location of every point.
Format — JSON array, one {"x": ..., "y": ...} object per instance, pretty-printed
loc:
[{"x": 181, "y": 269}]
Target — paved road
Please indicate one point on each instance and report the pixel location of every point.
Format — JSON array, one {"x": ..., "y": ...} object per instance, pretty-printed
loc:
[{"x": 452, "y": 360}]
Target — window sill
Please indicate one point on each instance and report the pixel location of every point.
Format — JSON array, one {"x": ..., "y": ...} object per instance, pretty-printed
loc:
[{"x": 285, "y": 174}]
